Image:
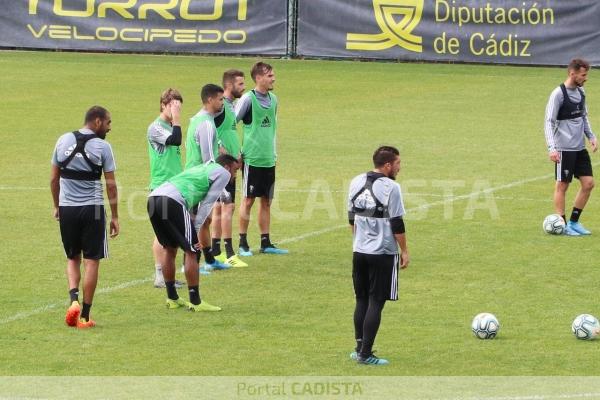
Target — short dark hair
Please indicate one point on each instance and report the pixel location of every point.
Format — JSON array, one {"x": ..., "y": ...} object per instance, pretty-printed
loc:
[
  {"x": 384, "y": 155},
  {"x": 577, "y": 63},
  {"x": 210, "y": 90},
  {"x": 169, "y": 95},
  {"x": 226, "y": 159},
  {"x": 230, "y": 75},
  {"x": 260, "y": 68},
  {"x": 95, "y": 112}
]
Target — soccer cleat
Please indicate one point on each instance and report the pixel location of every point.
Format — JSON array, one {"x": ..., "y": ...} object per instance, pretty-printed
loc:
[
  {"x": 83, "y": 324},
  {"x": 217, "y": 265},
  {"x": 236, "y": 262},
  {"x": 354, "y": 355},
  {"x": 221, "y": 258},
  {"x": 73, "y": 314},
  {"x": 204, "y": 306},
  {"x": 273, "y": 250},
  {"x": 577, "y": 227},
  {"x": 371, "y": 360},
  {"x": 172, "y": 304},
  {"x": 244, "y": 251},
  {"x": 570, "y": 231}
]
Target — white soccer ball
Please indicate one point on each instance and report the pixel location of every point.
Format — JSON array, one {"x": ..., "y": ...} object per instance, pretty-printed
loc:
[
  {"x": 485, "y": 326},
  {"x": 585, "y": 327},
  {"x": 554, "y": 224}
]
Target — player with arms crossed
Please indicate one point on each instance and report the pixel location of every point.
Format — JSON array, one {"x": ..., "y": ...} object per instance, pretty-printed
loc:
[
  {"x": 202, "y": 146},
  {"x": 225, "y": 121}
]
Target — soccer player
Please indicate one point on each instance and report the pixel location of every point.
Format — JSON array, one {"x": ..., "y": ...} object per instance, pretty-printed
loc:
[
  {"x": 168, "y": 207},
  {"x": 164, "y": 139},
  {"x": 375, "y": 211},
  {"x": 78, "y": 161},
  {"x": 202, "y": 146},
  {"x": 566, "y": 127},
  {"x": 258, "y": 111},
  {"x": 202, "y": 143},
  {"x": 233, "y": 85}
]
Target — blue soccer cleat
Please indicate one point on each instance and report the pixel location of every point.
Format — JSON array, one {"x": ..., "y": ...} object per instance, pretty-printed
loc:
[
  {"x": 273, "y": 250},
  {"x": 371, "y": 360},
  {"x": 216, "y": 265},
  {"x": 245, "y": 251},
  {"x": 570, "y": 232},
  {"x": 577, "y": 227}
]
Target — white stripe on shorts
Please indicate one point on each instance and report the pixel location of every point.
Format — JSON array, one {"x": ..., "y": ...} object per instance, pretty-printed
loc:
[
  {"x": 105, "y": 236},
  {"x": 245, "y": 180},
  {"x": 188, "y": 227},
  {"x": 559, "y": 167},
  {"x": 394, "y": 289}
]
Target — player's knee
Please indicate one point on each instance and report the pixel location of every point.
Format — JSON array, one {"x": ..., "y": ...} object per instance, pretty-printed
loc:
[
  {"x": 588, "y": 185},
  {"x": 562, "y": 187}
]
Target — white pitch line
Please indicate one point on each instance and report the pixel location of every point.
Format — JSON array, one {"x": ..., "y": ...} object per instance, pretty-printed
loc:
[
  {"x": 39, "y": 310},
  {"x": 452, "y": 199}
]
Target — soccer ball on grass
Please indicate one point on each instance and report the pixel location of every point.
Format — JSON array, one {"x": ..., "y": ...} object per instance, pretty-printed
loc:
[
  {"x": 485, "y": 326},
  {"x": 585, "y": 327},
  {"x": 554, "y": 224}
]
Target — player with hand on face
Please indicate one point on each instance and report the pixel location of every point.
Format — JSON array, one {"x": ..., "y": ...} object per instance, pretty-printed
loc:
[{"x": 164, "y": 138}]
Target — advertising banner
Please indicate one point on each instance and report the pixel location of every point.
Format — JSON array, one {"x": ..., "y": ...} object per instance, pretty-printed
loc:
[
  {"x": 194, "y": 26},
  {"x": 545, "y": 32}
]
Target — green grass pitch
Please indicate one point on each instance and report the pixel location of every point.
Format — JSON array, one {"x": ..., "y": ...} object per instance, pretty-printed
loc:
[{"x": 477, "y": 185}]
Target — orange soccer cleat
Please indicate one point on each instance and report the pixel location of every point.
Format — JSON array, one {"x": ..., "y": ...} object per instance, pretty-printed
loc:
[
  {"x": 73, "y": 314},
  {"x": 83, "y": 324}
]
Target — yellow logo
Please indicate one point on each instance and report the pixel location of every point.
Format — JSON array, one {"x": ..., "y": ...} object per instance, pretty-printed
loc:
[{"x": 396, "y": 19}]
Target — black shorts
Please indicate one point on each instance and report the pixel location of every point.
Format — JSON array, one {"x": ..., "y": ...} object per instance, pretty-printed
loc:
[
  {"x": 573, "y": 163},
  {"x": 375, "y": 275},
  {"x": 230, "y": 188},
  {"x": 172, "y": 223},
  {"x": 83, "y": 230},
  {"x": 258, "y": 181}
]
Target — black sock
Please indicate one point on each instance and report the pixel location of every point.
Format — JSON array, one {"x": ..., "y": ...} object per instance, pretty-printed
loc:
[
  {"x": 564, "y": 218},
  {"x": 216, "y": 247},
  {"x": 208, "y": 257},
  {"x": 171, "y": 291},
  {"x": 265, "y": 241},
  {"x": 74, "y": 294},
  {"x": 244, "y": 240},
  {"x": 229, "y": 247},
  {"x": 85, "y": 311},
  {"x": 194, "y": 295},
  {"x": 575, "y": 214}
]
